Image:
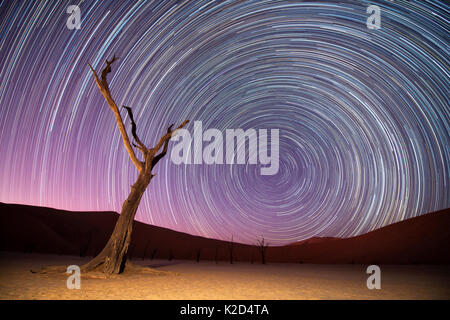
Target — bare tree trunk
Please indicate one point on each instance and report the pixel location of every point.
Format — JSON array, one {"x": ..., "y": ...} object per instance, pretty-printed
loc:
[
  {"x": 231, "y": 248},
  {"x": 262, "y": 247},
  {"x": 113, "y": 256}
]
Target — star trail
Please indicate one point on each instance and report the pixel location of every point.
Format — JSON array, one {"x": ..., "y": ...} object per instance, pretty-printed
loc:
[{"x": 363, "y": 114}]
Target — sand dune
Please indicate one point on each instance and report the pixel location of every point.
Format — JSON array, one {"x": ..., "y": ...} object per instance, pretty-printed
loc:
[{"x": 421, "y": 240}]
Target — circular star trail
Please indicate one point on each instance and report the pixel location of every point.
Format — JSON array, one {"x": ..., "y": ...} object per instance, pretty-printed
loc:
[{"x": 363, "y": 114}]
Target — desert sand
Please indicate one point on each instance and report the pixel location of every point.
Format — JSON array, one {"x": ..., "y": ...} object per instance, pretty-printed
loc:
[{"x": 208, "y": 280}]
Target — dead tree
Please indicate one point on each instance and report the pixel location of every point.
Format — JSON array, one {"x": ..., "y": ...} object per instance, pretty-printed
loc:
[
  {"x": 216, "y": 256},
  {"x": 262, "y": 248},
  {"x": 153, "y": 255},
  {"x": 145, "y": 250},
  {"x": 113, "y": 256},
  {"x": 230, "y": 249}
]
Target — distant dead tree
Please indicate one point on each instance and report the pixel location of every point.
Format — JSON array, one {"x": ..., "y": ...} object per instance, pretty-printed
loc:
[
  {"x": 262, "y": 248},
  {"x": 230, "y": 249},
  {"x": 153, "y": 255},
  {"x": 113, "y": 256},
  {"x": 145, "y": 250},
  {"x": 216, "y": 256}
]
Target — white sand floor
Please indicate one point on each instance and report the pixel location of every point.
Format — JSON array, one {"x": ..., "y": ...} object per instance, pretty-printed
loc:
[{"x": 208, "y": 280}]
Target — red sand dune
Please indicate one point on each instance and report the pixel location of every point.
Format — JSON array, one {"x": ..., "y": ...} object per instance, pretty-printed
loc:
[{"x": 420, "y": 240}]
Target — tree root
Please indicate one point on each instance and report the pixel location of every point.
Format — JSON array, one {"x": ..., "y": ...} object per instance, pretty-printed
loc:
[{"x": 97, "y": 273}]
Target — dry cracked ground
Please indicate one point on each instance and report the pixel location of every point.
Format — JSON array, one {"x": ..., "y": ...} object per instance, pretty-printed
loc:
[{"x": 208, "y": 280}]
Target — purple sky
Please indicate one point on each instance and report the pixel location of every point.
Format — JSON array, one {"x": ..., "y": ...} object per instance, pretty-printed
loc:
[{"x": 363, "y": 114}]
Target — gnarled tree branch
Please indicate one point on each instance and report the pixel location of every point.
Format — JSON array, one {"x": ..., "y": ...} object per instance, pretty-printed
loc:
[
  {"x": 165, "y": 138},
  {"x": 104, "y": 89},
  {"x": 140, "y": 145},
  {"x": 164, "y": 151}
]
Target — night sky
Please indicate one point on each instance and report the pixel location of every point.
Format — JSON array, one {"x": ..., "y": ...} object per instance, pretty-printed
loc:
[{"x": 363, "y": 114}]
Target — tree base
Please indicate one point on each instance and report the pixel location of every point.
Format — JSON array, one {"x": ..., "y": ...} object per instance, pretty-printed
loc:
[{"x": 97, "y": 273}]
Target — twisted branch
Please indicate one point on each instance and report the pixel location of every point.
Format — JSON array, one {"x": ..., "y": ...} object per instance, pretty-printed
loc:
[
  {"x": 140, "y": 145},
  {"x": 167, "y": 136},
  {"x": 104, "y": 89},
  {"x": 149, "y": 154}
]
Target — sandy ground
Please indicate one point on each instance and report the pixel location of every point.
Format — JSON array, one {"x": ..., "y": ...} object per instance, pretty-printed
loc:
[{"x": 207, "y": 280}]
